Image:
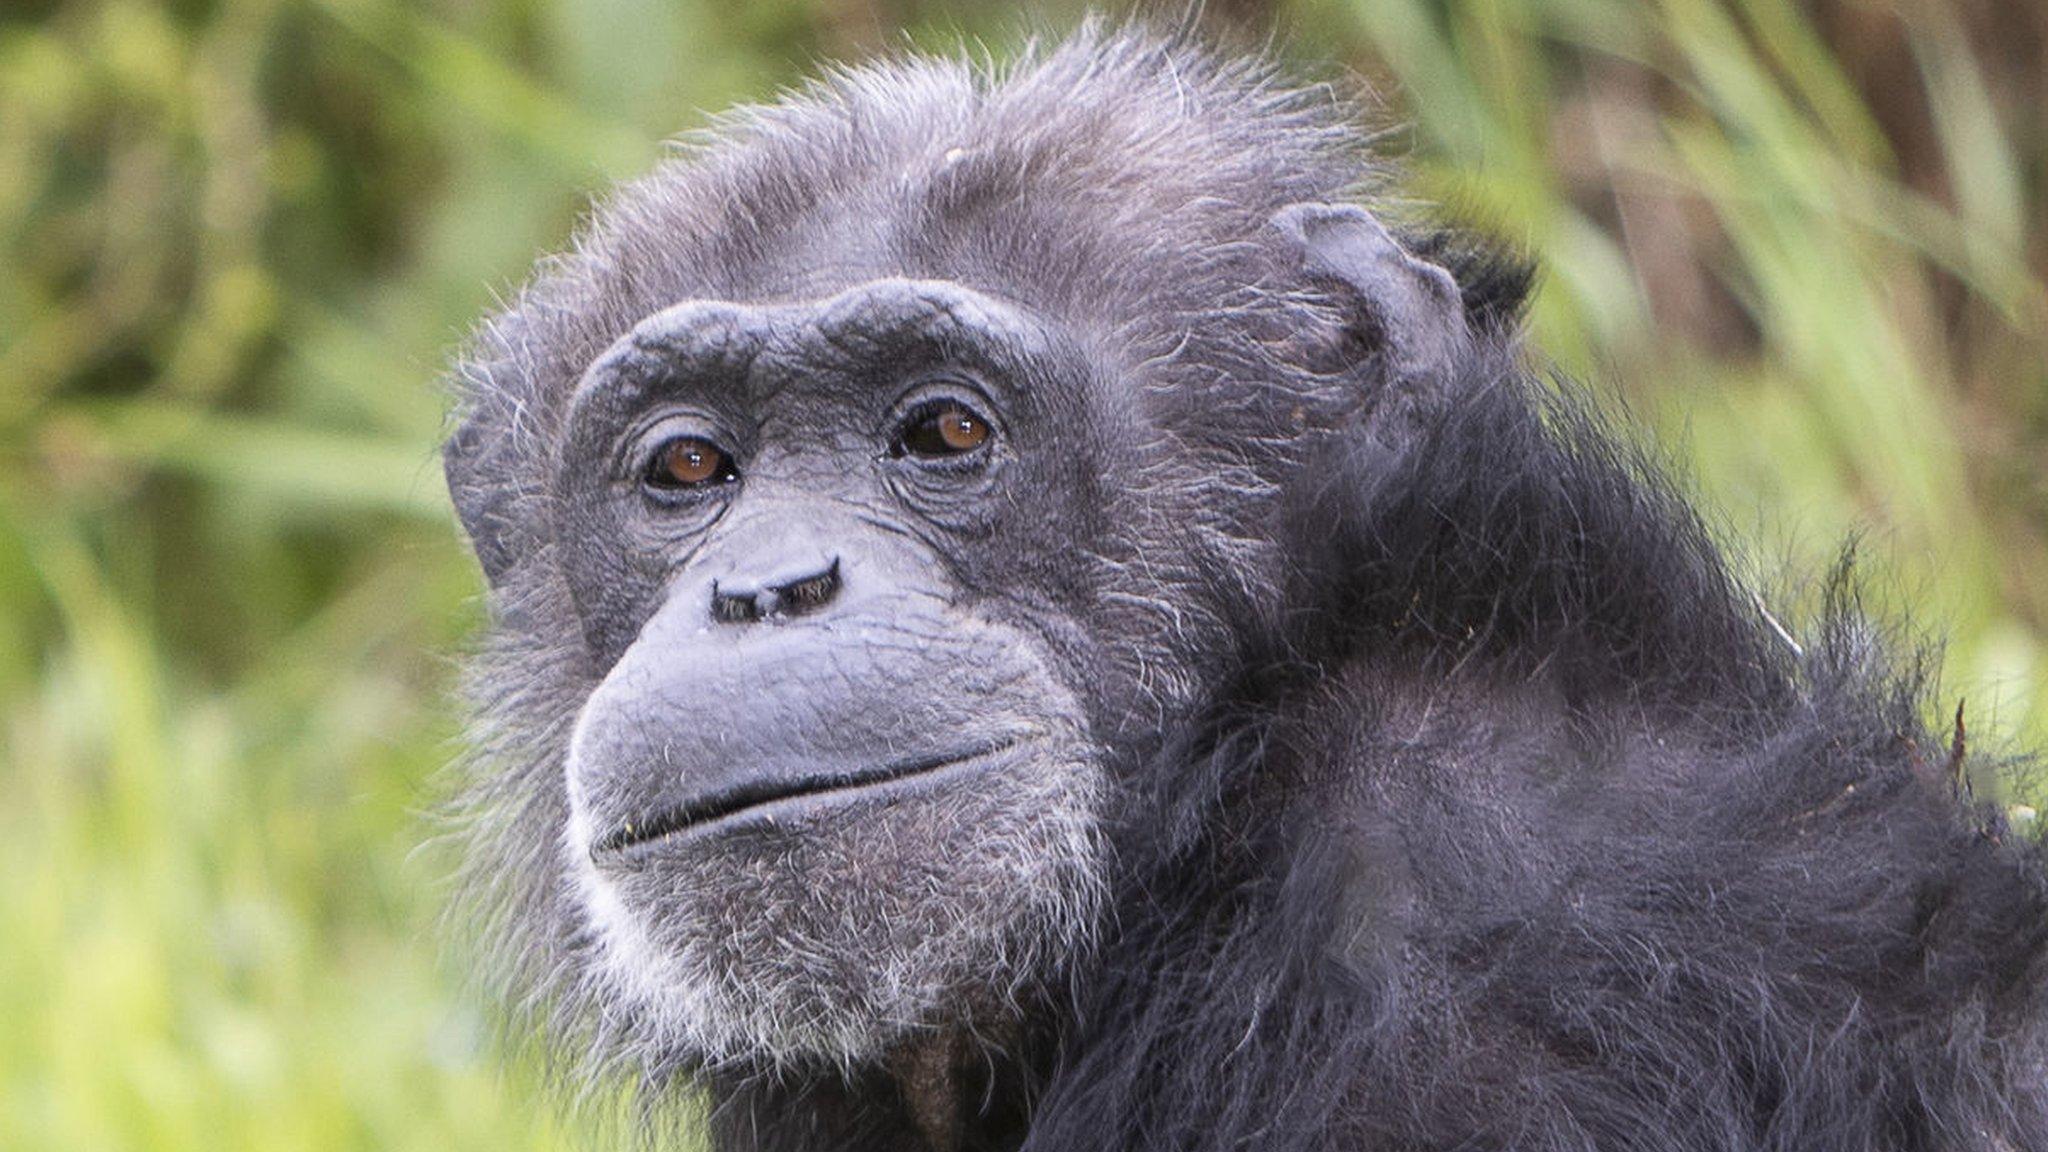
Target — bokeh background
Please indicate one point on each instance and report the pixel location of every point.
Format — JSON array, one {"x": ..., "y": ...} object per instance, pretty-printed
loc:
[{"x": 1804, "y": 242}]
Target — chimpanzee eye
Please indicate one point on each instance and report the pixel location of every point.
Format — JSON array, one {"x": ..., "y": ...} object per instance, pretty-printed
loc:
[
  {"x": 689, "y": 462},
  {"x": 942, "y": 428}
]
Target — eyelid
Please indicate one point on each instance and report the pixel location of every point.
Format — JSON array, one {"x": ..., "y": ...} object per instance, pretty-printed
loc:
[
  {"x": 943, "y": 384},
  {"x": 658, "y": 472},
  {"x": 638, "y": 447},
  {"x": 914, "y": 416},
  {"x": 937, "y": 388}
]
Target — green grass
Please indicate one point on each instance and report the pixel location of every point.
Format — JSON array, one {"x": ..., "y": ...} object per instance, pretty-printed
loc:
[{"x": 237, "y": 240}]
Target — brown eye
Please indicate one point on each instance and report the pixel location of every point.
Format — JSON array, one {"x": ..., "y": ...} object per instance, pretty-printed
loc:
[
  {"x": 948, "y": 428},
  {"x": 689, "y": 462}
]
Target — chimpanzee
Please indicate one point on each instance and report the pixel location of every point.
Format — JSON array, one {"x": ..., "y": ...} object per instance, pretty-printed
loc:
[{"x": 1034, "y": 607}]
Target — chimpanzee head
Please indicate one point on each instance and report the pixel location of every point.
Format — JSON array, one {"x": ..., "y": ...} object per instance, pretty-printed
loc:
[{"x": 867, "y": 496}]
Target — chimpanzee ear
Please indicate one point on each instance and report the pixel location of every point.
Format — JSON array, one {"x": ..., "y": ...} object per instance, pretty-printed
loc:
[
  {"x": 484, "y": 506},
  {"x": 1407, "y": 306}
]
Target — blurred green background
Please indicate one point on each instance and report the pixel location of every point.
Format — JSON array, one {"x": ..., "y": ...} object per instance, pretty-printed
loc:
[{"x": 1805, "y": 241}]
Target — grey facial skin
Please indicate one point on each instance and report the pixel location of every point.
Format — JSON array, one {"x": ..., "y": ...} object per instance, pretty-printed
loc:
[{"x": 823, "y": 791}]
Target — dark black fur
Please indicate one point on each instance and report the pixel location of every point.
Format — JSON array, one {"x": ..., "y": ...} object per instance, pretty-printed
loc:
[
  {"x": 1556, "y": 845},
  {"x": 1505, "y": 820}
]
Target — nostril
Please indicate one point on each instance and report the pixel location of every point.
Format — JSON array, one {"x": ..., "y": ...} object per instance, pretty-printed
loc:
[
  {"x": 740, "y": 601},
  {"x": 733, "y": 607},
  {"x": 814, "y": 591}
]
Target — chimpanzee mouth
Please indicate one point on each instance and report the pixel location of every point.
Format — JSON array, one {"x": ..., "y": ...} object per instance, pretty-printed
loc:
[{"x": 639, "y": 836}]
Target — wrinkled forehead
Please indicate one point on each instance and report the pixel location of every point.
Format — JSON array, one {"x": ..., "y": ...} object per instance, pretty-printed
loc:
[{"x": 889, "y": 325}]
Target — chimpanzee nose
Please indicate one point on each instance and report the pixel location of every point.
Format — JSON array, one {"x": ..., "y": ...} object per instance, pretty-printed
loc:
[{"x": 790, "y": 592}]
